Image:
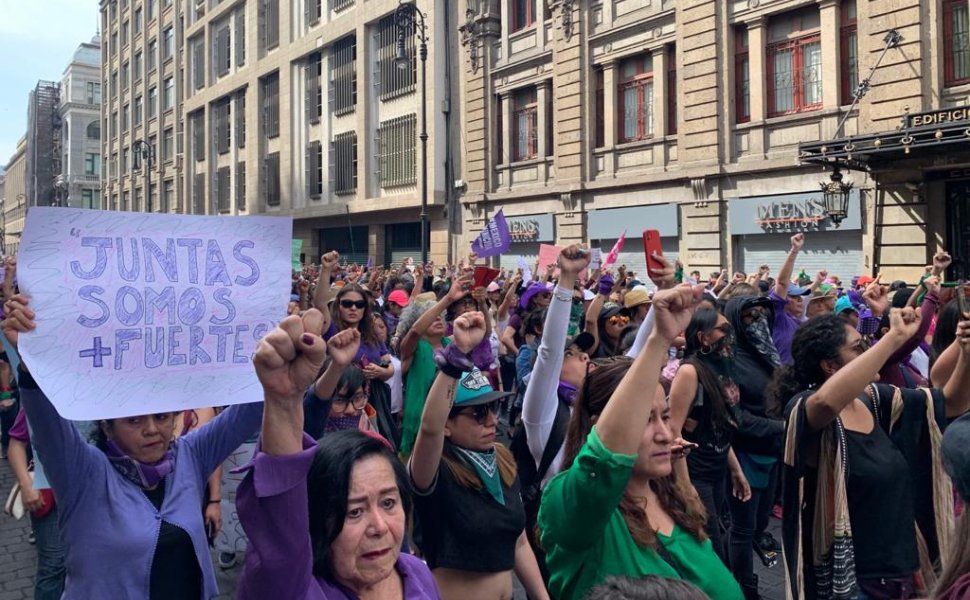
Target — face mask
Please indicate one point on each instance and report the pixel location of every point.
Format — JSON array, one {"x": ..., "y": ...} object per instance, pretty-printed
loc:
[
  {"x": 759, "y": 333},
  {"x": 342, "y": 423}
]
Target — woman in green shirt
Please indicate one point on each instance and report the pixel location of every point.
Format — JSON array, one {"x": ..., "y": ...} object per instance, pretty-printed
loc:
[{"x": 615, "y": 509}]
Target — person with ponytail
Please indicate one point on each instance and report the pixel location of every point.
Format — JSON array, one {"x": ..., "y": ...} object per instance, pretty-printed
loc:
[
  {"x": 470, "y": 521},
  {"x": 704, "y": 409},
  {"x": 869, "y": 508},
  {"x": 615, "y": 508},
  {"x": 136, "y": 491}
]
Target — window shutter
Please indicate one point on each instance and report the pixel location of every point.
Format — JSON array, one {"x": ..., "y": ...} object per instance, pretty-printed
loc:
[
  {"x": 240, "y": 33},
  {"x": 308, "y": 169},
  {"x": 240, "y": 186},
  {"x": 241, "y": 119},
  {"x": 198, "y": 59},
  {"x": 261, "y": 23},
  {"x": 215, "y": 194}
]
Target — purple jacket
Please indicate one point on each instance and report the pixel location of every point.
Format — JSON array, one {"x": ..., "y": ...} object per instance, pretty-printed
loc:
[
  {"x": 273, "y": 509},
  {"x": 109, "y": 526}
]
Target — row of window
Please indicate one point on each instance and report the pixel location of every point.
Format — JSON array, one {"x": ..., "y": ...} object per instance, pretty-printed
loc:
[
  {"x": 131, "y": 71},
  {"x": 132, "y": 113},
  {"x": 122, "y": 201},
  {"x": 131, "y": 158},
  {"x": 149, "y": 12}
]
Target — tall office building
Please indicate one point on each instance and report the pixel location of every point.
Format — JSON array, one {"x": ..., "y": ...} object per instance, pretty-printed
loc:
[
  {"x": 283, "y": 107},
  {"x": 79, "y": 182}
]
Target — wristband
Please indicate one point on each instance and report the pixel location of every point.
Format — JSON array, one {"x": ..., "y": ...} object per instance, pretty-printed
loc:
[
  {"x": 213, "y": 502},
  {"x": 452, "y": 362},
  {"x": 606, "y": 284}
]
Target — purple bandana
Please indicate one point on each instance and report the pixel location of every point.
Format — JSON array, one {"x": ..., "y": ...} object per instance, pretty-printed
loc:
[
  {"x": 341, "y": 423},
  {"x": 139, "y": 473},
  {"x": 566, "y": 392}
]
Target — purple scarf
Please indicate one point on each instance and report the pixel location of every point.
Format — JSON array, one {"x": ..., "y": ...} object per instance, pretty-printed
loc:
[
  {"x": 566, "y": 392},
  {"x": 341, "y": 423},
  {"x": 141, "y": 474}
]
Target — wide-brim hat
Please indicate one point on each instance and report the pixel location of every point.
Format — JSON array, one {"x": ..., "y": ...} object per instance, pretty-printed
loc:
[
  {"x": 637, "y": 296},
  {"x": 532, "y": 290},
  {"x": 474, "y": 389}
]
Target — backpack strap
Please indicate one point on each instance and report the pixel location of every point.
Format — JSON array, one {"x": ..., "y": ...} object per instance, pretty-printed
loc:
[{"x": 556, "y": 438}]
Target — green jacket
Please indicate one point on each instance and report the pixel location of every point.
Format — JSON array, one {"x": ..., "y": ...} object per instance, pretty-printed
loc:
[{"x": 586, "y": 538}]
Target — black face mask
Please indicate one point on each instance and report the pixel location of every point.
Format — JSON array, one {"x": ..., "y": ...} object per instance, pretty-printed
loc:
[{"x": 719, "y": 357}]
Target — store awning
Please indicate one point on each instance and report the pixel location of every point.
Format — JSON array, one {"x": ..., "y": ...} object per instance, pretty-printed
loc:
[{"x": 938, "y": 133}]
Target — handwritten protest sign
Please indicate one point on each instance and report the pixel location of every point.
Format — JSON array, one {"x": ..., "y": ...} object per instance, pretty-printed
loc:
[
  {"x": 595, "y": 258},
  {"x": 548, "y": 255},
  {"x": 144, "y": 313}
]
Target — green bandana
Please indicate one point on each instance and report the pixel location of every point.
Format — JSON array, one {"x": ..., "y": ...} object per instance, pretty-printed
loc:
[{"x": 486, "y": 465}]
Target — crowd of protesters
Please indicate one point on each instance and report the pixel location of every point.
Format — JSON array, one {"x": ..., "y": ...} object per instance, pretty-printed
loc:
[{"x": 655, "y": 425}]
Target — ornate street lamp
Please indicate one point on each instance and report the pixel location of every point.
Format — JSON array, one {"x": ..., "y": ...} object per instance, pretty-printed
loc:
[
  {"x": 409, "y": 20},
  {"x": 145, "y": 155},
  {"x": 836, "y": 196}
]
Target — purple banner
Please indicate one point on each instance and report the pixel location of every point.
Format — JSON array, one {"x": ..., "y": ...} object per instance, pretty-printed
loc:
[{"x": 494, "y": 239}]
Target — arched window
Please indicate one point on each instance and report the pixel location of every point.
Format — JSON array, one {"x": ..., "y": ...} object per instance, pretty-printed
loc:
[{"x": 94, "y": 131}]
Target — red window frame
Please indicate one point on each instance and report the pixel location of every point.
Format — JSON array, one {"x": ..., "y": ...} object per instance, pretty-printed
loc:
[
  {"x": 849, "y": 52},
  {"x": 672, "y": 90},
  {"x": 525, "y": 106},
  {"x": 742, "y": 77},
  {"x": 797, "y": 47},
  {"x": 642, "y": 80},
  {"x": 949, "y": 56},
  {"x": 528, "y": 16}
]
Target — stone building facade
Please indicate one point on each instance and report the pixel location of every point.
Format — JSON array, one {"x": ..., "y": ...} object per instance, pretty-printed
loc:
[
  {"x": 79, "y": 182},
  {"x": 687, "y": 116},
  {"x": 293, "y": 107},
  {"x": 15, "y": 197}
]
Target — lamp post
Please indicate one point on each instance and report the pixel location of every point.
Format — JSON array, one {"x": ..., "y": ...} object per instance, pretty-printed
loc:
[
  {"x": 409, "y": 20},
  {"x": 146, "y": 154}
]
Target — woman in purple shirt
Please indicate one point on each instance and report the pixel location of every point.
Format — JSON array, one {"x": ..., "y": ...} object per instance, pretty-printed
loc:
[{"x": 327, "y": 521}]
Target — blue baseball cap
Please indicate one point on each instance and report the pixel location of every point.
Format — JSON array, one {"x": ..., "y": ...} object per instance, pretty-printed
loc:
[
  {"x": 794, "y": 290},
  {"x": 474, "y": 389}
]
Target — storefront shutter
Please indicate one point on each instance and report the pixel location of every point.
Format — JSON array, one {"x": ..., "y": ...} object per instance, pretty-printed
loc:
[{"x": 838, "y": 252}]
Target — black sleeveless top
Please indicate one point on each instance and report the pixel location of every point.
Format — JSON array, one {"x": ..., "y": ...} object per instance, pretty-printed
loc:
[
  {"x": 708, "y": 462},
  {"x": 466, "y": 529}
]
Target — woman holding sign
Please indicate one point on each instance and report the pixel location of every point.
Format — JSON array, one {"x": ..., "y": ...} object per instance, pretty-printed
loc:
[{"x": 136, "y": 493}]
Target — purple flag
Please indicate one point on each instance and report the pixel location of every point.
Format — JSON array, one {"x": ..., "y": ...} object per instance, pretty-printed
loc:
[{"x": 494, "y": 239}]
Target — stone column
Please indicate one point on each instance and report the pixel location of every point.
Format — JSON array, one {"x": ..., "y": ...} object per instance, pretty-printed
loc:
[
  {"x": 542, "y": 99},
  {"x": 609, "y": 105},
  {"x": 508, "y": 131},
  {"x": 829, "y": 13},
  {"x": 757, "y": 42},
  {"x": 506, "y": 27},
  {"x": 659, "y": 56}
]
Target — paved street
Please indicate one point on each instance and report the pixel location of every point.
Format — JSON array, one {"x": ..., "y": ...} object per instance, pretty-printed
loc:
[{"x": 17, "y": 559}]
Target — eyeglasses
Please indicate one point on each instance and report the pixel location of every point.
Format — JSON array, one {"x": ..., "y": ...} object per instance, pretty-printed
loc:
[
  {"x": 726, "y": 329},
  {"x": 358, "y": 304},
  {"x": 480, "y": 413},
  {"x": 359, "y": 400},
  {"x": 619, "y": 320}
]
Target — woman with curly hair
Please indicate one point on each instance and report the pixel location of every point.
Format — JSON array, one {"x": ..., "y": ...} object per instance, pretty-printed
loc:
[
  {"x": 868, "y": 506},
  {"x": 615, "y": 509}
]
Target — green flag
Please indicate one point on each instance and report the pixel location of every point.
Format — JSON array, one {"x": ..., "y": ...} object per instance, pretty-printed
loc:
[{"x": 297, "y": 246}]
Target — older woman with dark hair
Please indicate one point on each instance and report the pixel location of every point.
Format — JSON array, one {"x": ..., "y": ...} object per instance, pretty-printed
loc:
[{"x": 324, "y": 522}]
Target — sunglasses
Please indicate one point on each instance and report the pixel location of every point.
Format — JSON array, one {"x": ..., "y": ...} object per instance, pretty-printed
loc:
[
  {"x": 358, "y": 304},
  {"x": 619, "y": 320},
  {"x": 359, "y": 400},
  {"x": 480, "y": 413},
  {"x": 726, "y": 329}
]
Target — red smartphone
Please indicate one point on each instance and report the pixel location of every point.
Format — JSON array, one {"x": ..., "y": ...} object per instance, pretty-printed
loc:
[
  {"x": 651, "y": 246},
  {"x": 485, "y": 276}
]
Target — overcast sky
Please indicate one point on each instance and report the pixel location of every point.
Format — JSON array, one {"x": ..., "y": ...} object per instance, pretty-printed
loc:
[{"x": 37, "y": 40}]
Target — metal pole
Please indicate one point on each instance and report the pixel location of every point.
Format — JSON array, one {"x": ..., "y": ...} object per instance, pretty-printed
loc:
[{"x": 424, "y": 146}]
